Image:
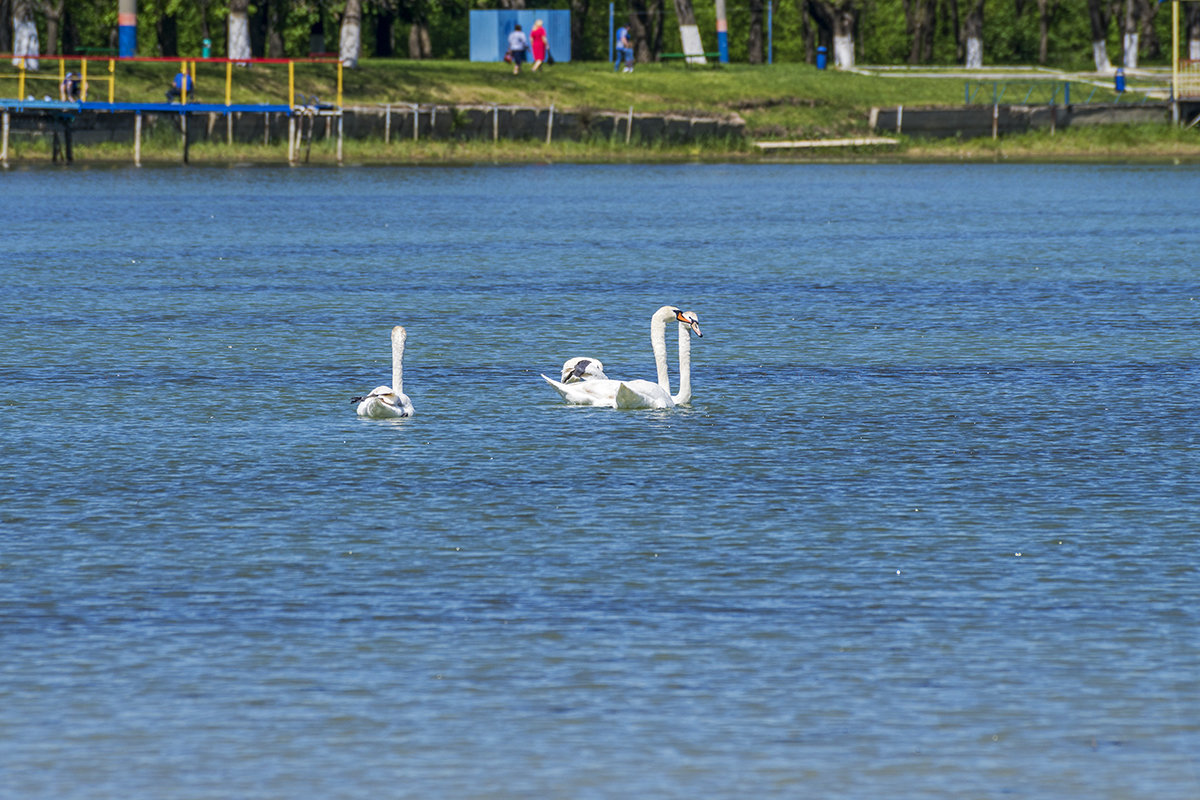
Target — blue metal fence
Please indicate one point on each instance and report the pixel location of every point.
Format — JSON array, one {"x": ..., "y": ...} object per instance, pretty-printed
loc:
[{"x": 490, "y": 30}]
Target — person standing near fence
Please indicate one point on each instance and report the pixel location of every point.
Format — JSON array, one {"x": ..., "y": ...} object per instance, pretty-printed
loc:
[
  {"x": 537, "y": 43},
  {"x": 516, "y": 48}
]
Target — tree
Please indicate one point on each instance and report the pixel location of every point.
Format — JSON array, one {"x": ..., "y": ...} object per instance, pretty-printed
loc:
[
  {"x": 1193, "y": 30},
  {"x": 689, "y": 33},
  {"x": 645, "y": 29},
  {"x": 754, "y": 45},
  {"x": 239, "y": 29},
  {"x": 579, "y": 16},
  {"x": 52, "y": 10},
  {"x": 1099, "y": 15},
  {"x": 25, "y": 34},
  {"x": 920, "y": 17},
  {"x": 350, "y": 43},
  {"x": 836, "y": 20},
  {"x": 973, "y": 34}
]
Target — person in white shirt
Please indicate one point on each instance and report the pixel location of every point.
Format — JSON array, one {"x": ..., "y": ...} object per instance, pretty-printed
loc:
[{"x": 516, "y": 48}]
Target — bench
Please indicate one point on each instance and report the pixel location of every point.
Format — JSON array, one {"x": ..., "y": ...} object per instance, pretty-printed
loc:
[{"x": 672, "y": 56}]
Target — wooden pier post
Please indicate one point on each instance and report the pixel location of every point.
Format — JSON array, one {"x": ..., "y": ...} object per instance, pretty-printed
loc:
[
  {"x": 291, "y": 140},
  {"x": 495, "y": 123},
  {"x": 416, "y": 120},
  {"x": 4, "y": 144},
  {"x": 387, "y": 125},
  {"x": 339, "y": 144},
  {"x": 629, "y": 125},
  {"x": 183, "y": 125},
  {"x": 137, "y": 138},
  {"x": 550, "y": 124}
]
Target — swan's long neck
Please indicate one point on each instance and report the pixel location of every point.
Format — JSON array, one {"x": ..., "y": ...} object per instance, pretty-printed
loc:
[
  {"x": 398, "y": 337},
  {"x": 658, "y": 341},
  {"x": 685, "y": 366}
]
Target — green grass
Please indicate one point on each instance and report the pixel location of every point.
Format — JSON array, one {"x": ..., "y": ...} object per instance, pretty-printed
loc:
[{"x": 780, "y": 101}]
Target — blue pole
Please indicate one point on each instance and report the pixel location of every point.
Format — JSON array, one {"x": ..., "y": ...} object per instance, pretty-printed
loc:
[
  {"x": 611, "y": 55},
  {"x": 127, "y": 28},
  {"x": 722, "y": 33},
  {"x": 769, "y": 32}
]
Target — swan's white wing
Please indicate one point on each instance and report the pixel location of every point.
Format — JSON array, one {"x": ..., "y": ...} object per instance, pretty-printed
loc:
[
  {"x": 582, "y": 368},
  {"x": 383, "y": 403},
  {"x": 642, "y": 394},
  {"x": 587, "y": 393}
]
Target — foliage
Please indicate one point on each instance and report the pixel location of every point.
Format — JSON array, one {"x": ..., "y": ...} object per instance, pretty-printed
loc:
[{"x": 177, "y": 27}]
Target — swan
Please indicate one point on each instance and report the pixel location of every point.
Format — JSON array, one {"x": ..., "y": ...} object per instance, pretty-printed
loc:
[
  {"x": 580, "y": 368},
  {"x": 640, "y": 393},
  {"x": 389, "y": 401}
]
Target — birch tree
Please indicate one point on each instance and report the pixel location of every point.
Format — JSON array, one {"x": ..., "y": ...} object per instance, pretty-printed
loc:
[
  {"x": 689, "y": 33},
  {"x": 837, "y": 18},
  {"x": 25, "y": 35},
  {"x": 1193, "y": 31},
  {"x": 973, "y": 34},
  {"x": 350, "y": 43},
  {"x": 239, "y": 30},
  {"x": 1129, "y": 34},
  {"x": 1099, "y": 16}
]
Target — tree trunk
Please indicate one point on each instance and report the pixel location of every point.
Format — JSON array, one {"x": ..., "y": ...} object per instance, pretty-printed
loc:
[
  {"x": 205, "y": 31},
  {"x": 920, "y": 17},
  {"x": 836, "y": 20},
  {"x": 1045, "y": 9},
  {"x": 689, "y": 34},
  {"x": 419, "y": 45},
  {"x": 25, "y": 35},
  {"x": 276, "y": 22},
  {"x": 238, "y": 45},
  {"x": 385, "y": 26},
  {"x": 350, "y": 44},
  {"x": 1150, "y": 42},
  {"x": 638, "y": 35},
  {"x": 6, "y": 34},
  {"x": 973, "y": 34},
  {"x": 52, "y": 10},
  {"x": 1129, "y": 34},
  {"x": 579, "y": 15},
  {"x": 1098, "y": 16},
  {"x": 1193, "y": 31},
  {"x": 755, "y": 48}
]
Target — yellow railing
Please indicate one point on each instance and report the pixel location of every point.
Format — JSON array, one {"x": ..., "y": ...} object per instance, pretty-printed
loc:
[
  {"x": 1188, "y": 79},
  {"x": 24, "y": 75}
]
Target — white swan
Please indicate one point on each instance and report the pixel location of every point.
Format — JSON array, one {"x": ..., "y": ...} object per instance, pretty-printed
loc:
[
  {"x": 582, "y": 368},
  {"x": 389, "y": 401},
  {"x": 641, "y": 394}
]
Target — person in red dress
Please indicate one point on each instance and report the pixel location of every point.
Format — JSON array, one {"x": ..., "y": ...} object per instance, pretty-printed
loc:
[{"x": 537, "y": 41}]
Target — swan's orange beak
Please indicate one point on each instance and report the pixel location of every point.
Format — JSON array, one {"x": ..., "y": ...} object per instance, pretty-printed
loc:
[{"x": 690, "y": 319}]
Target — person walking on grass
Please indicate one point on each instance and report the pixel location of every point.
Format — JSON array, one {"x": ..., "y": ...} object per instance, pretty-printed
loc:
[
  {"x": 537, "y": 43},
  {"x": 516, "y": 48},
  {"x": 624, "y": 51}
]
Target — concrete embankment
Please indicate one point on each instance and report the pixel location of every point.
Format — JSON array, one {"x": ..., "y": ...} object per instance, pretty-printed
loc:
[
  {"x": 394, "y": 123},
  {"x": 970, "y": 122}
]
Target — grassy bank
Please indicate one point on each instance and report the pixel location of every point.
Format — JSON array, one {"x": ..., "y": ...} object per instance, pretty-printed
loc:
[{"x": 781, "y": 101}]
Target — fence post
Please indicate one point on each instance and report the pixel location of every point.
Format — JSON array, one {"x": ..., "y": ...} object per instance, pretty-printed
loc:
[
  {"x": 387, "y": 125},
  {"x": 339, "y": 143},
  {"x": 629, "y": 125},
  {"x": 550, "y": 124},
  {"x": 416, "y": 119},
  {"x": 137, "y": 138},
  {"x": 4, "y": 143},
  {"x": 495, "y": 123}
]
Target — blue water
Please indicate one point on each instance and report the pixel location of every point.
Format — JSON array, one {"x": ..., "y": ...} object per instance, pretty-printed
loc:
[{"x": 928, "y": 528}]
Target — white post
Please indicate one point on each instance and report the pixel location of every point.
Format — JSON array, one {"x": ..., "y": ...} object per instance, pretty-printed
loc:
[
  {"x": 900, "y": 119},
  {"x": 339, "y": 145},
  {"x": 137, "y": 139},
  {"x": 416, "y": 120},
  {"x": 495, "y": 124},
  {"x": 995, "y": 119},
  {"x": 4, "y": 145},
  {"x": 629, "y": 126},
  {"x": 291, "y": 140},
  {"x": 229, "y": 127},
  {"x": 550, "y": 124},
  {"x": 387, "y": 125}
]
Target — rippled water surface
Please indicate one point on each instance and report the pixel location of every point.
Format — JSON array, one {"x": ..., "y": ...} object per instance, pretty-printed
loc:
[{"x": 928, "y": 528}]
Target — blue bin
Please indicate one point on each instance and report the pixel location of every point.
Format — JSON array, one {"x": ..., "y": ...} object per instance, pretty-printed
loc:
[
  {"x": 821, "y": 57},
  {"x": 1119, "y": 80}
]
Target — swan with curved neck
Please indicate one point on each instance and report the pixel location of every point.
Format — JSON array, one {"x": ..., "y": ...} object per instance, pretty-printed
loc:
[
  {"x": 640, "y": 393},
  {"x": 385, "y": 402}
]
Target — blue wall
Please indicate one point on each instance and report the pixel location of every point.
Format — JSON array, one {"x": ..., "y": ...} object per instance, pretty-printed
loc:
[{"x": 490, "y": 30}]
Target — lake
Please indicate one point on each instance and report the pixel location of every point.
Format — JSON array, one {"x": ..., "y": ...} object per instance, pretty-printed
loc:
[{"x": 927, "y": 528}]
